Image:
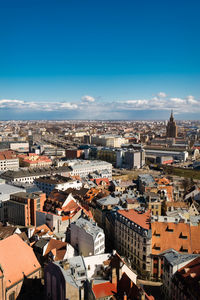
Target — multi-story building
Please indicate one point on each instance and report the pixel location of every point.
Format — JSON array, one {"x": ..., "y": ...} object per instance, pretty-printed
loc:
[
  {"x": 73, "y": 153},
  {"x": 8, "y": 160},
  {"x": 177, "y": 155},
  {"x": 132, "y": 159},
  {"x": 87, "y": 238},
  {"x": 33, "y": 160},
  {"x": 177, "y": 233},
  {"x": 21, "y": 208},
  {"x": 171, "y": 129},
  {"x": 83, "y": 168},
  {"x": 28, "y": 176},
  {"x": 20, "y": 147},
  {"x": 108, "y": 140},
  {"x": 185, "y": 283},
  {"x": 49, "y": 183},
  {"x": 133, "y": 238},
  {"x": 172, "y": 262}
]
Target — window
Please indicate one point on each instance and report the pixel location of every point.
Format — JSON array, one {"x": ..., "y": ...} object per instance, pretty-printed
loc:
[{"x": 12, "y": 296}]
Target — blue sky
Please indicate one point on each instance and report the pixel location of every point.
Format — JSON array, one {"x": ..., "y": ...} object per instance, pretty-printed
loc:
[{"x": 99, "y": 59}]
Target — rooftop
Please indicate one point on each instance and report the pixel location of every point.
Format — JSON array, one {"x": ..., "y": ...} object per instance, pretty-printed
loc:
[
  {"x": 139, "y": 218},
  {"x": 89, "y": 227}
]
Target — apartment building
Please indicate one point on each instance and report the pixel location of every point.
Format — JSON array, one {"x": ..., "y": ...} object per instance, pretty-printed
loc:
[
  {"x": 28, "y": 176},
  {"x": 8, "y": 160},
  {"x": 83, "y": 168},
  {"x": 87, "y": 237},
  {"x": 49, "y": 183},
  {"x": 108, "y": 140},
  {"x": 133, "y": 238},
  {"x": 21, "y": 208},
  {"x": 179, "y": 234}
]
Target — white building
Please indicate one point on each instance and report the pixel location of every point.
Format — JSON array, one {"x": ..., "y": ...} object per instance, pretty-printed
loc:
[
  {"x": 182, "y": 155},
  {"x": 108, "y": 140},
  {"x": 49, "y": 183},
  {"x": 83, "y": 168},
  {"x": 8, "y": 161},
  {"x": 20, "y": 147},
  {"x": 87, "y": 238}
]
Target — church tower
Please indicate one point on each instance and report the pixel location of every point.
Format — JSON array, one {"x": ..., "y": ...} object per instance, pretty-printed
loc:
[{"x": 171, "y": 129}]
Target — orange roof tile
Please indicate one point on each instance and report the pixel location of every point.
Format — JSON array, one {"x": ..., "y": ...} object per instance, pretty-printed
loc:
[
  {"x": 17, "y": 259},
  {"x": 167, "y": 235},
  {"x": 141, "y": 219},
  {"x": 104, "y": 289},
  {"x": 54, "y": 246}
]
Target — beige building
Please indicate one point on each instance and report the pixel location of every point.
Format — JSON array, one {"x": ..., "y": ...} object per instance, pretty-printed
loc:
[
  {"x": 133, "y": 238},
  {"x": 8, "y": 160}
]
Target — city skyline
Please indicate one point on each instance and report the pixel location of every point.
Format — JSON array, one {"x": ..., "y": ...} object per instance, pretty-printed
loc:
[{"x": 75, "y": 60}]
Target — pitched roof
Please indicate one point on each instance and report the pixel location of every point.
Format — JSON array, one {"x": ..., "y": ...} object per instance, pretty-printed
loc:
[
  {"x": 6, "y": 231},
  {"x": 56, "y": 245},
  {"x": 182, "y": 237},
  {"x": 141, "y": 219},
  {"x": 189, "y": 276},
  {"x": 16, "y": 259},
  {"x": 104, "y": 289}
]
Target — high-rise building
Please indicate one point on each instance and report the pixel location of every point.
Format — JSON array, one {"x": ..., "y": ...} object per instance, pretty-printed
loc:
[{"x": 171, "y": 127}]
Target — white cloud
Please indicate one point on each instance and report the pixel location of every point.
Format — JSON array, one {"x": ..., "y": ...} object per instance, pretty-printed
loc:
[
  {"x": 162, "y": 95},
  {"x": 36, "y": 106},
  {"x": 88, "y": 99},
  {"x": 89, "y": 107}
]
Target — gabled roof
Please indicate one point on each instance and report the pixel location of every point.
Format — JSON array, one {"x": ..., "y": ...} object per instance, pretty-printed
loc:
[
  {"x": 17, "y": 259},
  {"x": 183, "y": 237},
  {"x": 59, "y": 248}
]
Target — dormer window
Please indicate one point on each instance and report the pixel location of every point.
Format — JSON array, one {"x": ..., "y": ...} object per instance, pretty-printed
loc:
[
  {"x": 182, "y": 249},
  {"x": 169, "y": 229},
  {"x": 181, "y": 236}
]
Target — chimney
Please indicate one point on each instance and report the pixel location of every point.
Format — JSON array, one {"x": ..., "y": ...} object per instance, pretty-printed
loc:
[
  {"x": 125, "y": 296},
  {"x": 114, "y": 276}
]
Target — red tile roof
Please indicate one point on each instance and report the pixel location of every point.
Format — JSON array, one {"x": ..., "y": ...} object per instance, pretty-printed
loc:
[
  {"x": 179, "y": 236},
  {"x": 8, "y": 154},
  {"x": 16, "y": 259},
  {"x": 141, "y": 219},
  {"x": 105, "y": 289}
]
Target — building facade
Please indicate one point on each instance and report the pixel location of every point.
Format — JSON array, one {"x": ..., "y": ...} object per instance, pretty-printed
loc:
[
  {"x": 133, "y": 238},
  {"x": 171, "y": 129},
  {"x": 87, "y": 237}
]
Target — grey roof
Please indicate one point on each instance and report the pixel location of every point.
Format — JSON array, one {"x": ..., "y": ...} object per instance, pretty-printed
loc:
[
  {"x": 34, "y": 172},
  {"x": 73, "y": 274},
  {"x": 109, "y": 200},
  {"x": 6, "y": 190},
  {"x": 176, "y": 258},
  {"x": 41, "y": 243},
  {"x": 146, "y": 178},
  {"x": 89, "y": 227}
]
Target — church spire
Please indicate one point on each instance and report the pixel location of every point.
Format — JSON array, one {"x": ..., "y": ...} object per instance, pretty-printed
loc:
[
  {"x": 171, "y": 127},
  {"x": 172, "y": 116}
]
